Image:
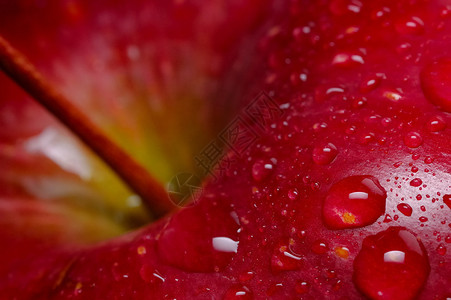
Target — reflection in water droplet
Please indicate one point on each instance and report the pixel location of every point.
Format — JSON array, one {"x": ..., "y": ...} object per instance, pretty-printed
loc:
[
  {"x": 355, "y": 201},
  {"x": 392, "y": 264},
  {"x": 436, "y": 83}
]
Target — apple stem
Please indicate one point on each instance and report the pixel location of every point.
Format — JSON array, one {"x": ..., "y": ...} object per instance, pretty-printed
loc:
[{"x": 21, "y": 71}]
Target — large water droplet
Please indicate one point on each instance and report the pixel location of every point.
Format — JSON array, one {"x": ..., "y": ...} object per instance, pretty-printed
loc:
[
  {"x": 324, "y": 154},
  {"x": 436, "y": 83},
  {"x": 416, "y": 182},
  {"x": 413, "y": 139},
  {"x": 392, "y": 264},
  {"x": 200, "y": 239},
  {"x": 355, "y": 201},
  {"x": 405, "y": 209}
]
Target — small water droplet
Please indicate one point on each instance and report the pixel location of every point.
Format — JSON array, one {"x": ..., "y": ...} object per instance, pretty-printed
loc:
[
  {"x": 423, "y": 219},
  {"x": 342, "y": 252},
  {"x": 416, "y": 182},
  {"x": 324, "y": 154},
  {"x": 323, "y": 93},
  {"x": 319, "y": 247},
  {"x": 436, "y": 83},
  {"x": 447, "y": 200},
  {"x": 238, "y": 293},
  {"x": 302, "y": 287},
  {"x": 347, "y": 60},
  {"x": 150, "y": 274},
  {"x": 261, "y": 170},
  {"x": 392, "y": 264},
  {"x": 405, "y": 209},
  {"x": 413, "y": 139},
  {"x": 441, "y": 249},
  {"x": 436, "y": 124},
  {"x": 78, "y": 288},
  {"x": 359, "y": 102},
  {"x": 293, "y": 194},
  {"x": 200, "y": 239},
  {"x": 392, "y": 95},
  {"x": 410, "y": 25},
  {"x": 141, "y": 250},
  {"x": 370, "y": 83},
  {"x": 355, "y": 201},
  {"x": 283, "y": 259},
  {"x": 246, "y": 276}
]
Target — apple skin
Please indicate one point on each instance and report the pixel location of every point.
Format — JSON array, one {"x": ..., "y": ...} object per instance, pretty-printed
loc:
[{"x": 362, "y": 93}]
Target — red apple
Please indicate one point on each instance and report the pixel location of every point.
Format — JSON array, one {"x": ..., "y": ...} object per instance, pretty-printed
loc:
[{"x": 338, "y": 177}]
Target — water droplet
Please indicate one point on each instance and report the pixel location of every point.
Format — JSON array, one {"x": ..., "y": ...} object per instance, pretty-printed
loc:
[
  {"x": 283, "y": 259},
  {"x": 436, "y": 124},
  {"x": 150, "y": 274},
  {"x": 347, "y": 60},
  {"x": 302, "y": 287},
  {"x": 319, "y": 247},
  {"x": 410, "y": 25},
  {"x": 274, "y": 288},
  {"x": 392, "y": 264},
  {"x": 324, "y": 154},
  {"x": 261, "y": 170},
  {"x": 413, "y": 139},
  {"x": 246, "y": 276},
  {"x": 405, "y": 209},
  {"x": 436, "y": 83},
  {"x": 416, "y": 182},
  {"x": 200, "y": 239},
  {"x": 355, "y": 201},
  {"x": 392, "y": 95},
  {"x": 141, "y": 250},
  {"x": 423, "y": 219},
  {"x": 370, "y": 83},
  {"x": 441, "y": 249},
  {"x": 293, "y": 194},
  {"x": 343, "y": 7},
  {"x": 323, "y": 93},
  {"x": 78, "y": 288},
  {"x": 342, "y": 252},
  {"x": 238, "y": 293}
]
